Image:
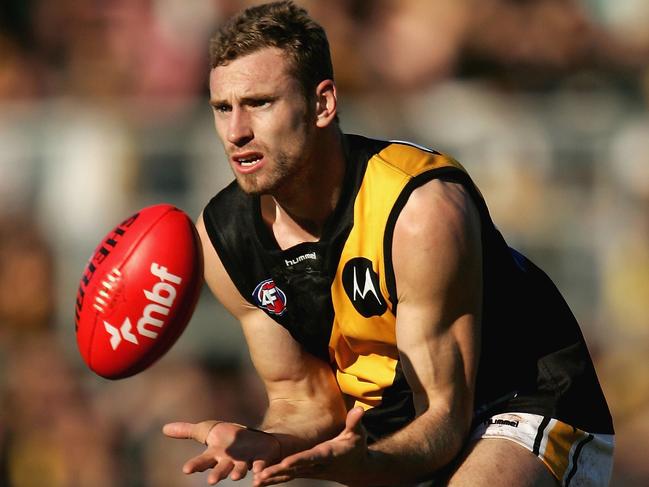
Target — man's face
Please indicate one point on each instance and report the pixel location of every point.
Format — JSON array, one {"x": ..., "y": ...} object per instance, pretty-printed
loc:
[{"x": 262, "y": 119}]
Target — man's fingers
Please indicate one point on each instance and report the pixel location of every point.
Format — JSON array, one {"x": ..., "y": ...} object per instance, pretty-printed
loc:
[
  {"x": 220, "y": 471},
  {"x": 291, "y": 465},
  {"x": 239, "y": 471},
  {"x": 178, "y": 430},
  {"x": 201, "y": 430},
  {"x": 258, "y": 466},
  {"x": 354, "y": 417},
  {"x": 261, "y": 481},
  {"x": 196, "y": 431},
  {"x": 200, "y": 463},
  {"x": 304, "y": 467},
  {"x": 300, "y": 460}
]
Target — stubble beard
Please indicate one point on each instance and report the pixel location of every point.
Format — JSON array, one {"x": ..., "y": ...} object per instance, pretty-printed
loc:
[
  {"x": 271, "y": 181},
  {"x": 285, "y": 175}
]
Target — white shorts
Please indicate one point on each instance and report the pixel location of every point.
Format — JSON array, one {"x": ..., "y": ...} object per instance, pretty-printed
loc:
[{"x": 573, "y": 456}]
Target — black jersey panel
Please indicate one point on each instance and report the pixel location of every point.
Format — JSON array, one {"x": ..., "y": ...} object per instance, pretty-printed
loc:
[
  {"x": 396, "y": 409},
  {"x": 291, "y": 287},
  {"x": 227, "y": 234},
  {"x": 532, "y": 344},
  {"x": 533, "y": 355}
]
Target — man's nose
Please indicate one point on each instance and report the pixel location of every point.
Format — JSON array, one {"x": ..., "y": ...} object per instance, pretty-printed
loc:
[{"x": 239, "y": 129}]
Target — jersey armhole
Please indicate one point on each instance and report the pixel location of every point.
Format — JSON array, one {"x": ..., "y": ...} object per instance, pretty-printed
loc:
[
  {"x": 451, "y": 174},
  {"x": 228, "y": 260}
]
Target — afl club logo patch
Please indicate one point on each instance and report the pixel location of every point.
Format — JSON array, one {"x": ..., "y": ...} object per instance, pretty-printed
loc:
[
  {"x": 361, "y": 284},
  {"x": 269, "y": 297}
]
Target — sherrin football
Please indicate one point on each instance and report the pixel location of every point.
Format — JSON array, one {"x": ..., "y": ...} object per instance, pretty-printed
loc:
[{"x": 138, "y": 291}]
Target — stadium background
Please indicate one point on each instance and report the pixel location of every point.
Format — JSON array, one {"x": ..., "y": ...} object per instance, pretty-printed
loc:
[{"x": 103, "y": 110}]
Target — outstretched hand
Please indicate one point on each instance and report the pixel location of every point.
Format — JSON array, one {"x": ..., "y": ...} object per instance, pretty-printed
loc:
[
  {"x": 232, "y": 449},
  {"x": 342, "y": 459}
]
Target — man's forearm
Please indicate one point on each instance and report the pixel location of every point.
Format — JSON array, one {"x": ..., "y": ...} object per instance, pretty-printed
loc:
[
  {"x": 301, "y": 424},
  {"x": 415, "y": 452}
]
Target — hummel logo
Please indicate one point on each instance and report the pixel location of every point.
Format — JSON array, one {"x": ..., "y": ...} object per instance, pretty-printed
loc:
[
  {"x": 300, "y": 258},
  {"x": 369, "y": 287},
  {"x": 117, "y": 334},
  {"x": 367, "y": 300}
]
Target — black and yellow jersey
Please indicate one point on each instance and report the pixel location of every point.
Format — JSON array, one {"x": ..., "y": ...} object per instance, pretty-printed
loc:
[{"x": 337, "y": 297}]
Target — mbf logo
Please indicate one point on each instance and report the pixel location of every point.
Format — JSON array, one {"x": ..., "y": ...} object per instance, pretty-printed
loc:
[
  {"x": 161, "y": 298},
  {"x": 361, "y": 284},
  {"x": 269, "y": 297}
]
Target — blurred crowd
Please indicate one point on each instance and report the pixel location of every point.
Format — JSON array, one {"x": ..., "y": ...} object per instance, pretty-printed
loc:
[{"x": 103, "y": 111}]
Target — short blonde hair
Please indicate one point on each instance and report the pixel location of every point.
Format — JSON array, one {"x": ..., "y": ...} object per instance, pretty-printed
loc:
[{"x": 283, "y": 25}]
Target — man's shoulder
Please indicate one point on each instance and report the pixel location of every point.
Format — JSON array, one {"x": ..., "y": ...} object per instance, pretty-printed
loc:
[
  {"x": 228, "y": 194},
  {"x": 404, "y": 156},
  {"x": 228, "y": 214},
  {"x": 228, "y": 203}
]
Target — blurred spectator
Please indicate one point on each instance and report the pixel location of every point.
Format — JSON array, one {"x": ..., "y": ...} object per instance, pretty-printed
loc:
[
  {"x": 533, "y": 42},
  {"x": 86, "y": 167},
  {"x": 145, "y": 48},
  {"x": 53, "y": 434},
  {"x": 411, "y": 44},
  {"x": 18, "y": 74},
  {"x": 624, "y": 373},
  {"x": 628, "y": 19},
  {"x": 402, "y": 43},
  {"x": 27, "y": 300},
  {"x": 45, "y": 434},
  {"x": 71, "y": 429},
  {"x": 624, "y": 244},
  {"x": 180, "y": 390}
]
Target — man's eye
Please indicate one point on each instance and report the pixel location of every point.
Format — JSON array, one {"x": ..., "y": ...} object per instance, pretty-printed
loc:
[
  {"x": 221, "y": 108},
  {"x": 259, "y": 103}
]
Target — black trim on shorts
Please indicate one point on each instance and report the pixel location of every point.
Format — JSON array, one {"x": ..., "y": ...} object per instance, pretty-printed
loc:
[
  {"x": 575, "y": 457},
  {"x": 539, "y": 435}
]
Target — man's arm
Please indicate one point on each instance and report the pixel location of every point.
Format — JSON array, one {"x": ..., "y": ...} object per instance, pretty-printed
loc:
[
  {"x": 305, "y": 404},
  {"x": 437, "y": 259}
]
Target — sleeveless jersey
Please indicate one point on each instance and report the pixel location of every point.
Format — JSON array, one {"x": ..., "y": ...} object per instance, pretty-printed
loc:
[{"x": 337, "y": 297}]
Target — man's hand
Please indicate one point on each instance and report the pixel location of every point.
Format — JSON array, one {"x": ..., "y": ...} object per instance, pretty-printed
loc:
[
  {"x": 232, "y": 449},
  {"x": 342, "y": 459}
]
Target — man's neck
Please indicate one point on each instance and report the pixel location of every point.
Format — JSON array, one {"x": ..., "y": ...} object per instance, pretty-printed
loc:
[{"x": 299, "y": 213}]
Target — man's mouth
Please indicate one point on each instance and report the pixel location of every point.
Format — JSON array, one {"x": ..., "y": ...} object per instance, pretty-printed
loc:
[{"x": 248, "y": 160}]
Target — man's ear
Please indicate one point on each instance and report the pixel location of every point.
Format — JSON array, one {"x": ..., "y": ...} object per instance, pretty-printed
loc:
[{"x": 326, "y": 103}]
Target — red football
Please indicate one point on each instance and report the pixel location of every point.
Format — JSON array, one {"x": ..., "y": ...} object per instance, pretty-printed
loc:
[{"x": 138, "y": 291}]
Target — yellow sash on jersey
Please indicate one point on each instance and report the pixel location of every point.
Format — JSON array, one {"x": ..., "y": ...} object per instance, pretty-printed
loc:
[{"x": 364, "y": 349}]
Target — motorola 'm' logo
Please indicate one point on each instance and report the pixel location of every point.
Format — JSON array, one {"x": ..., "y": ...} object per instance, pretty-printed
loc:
[{"x": 361, "y": 284}]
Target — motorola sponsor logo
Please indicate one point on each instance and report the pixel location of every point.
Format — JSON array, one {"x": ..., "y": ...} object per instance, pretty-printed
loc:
[{"x": 361, "y": 284}]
